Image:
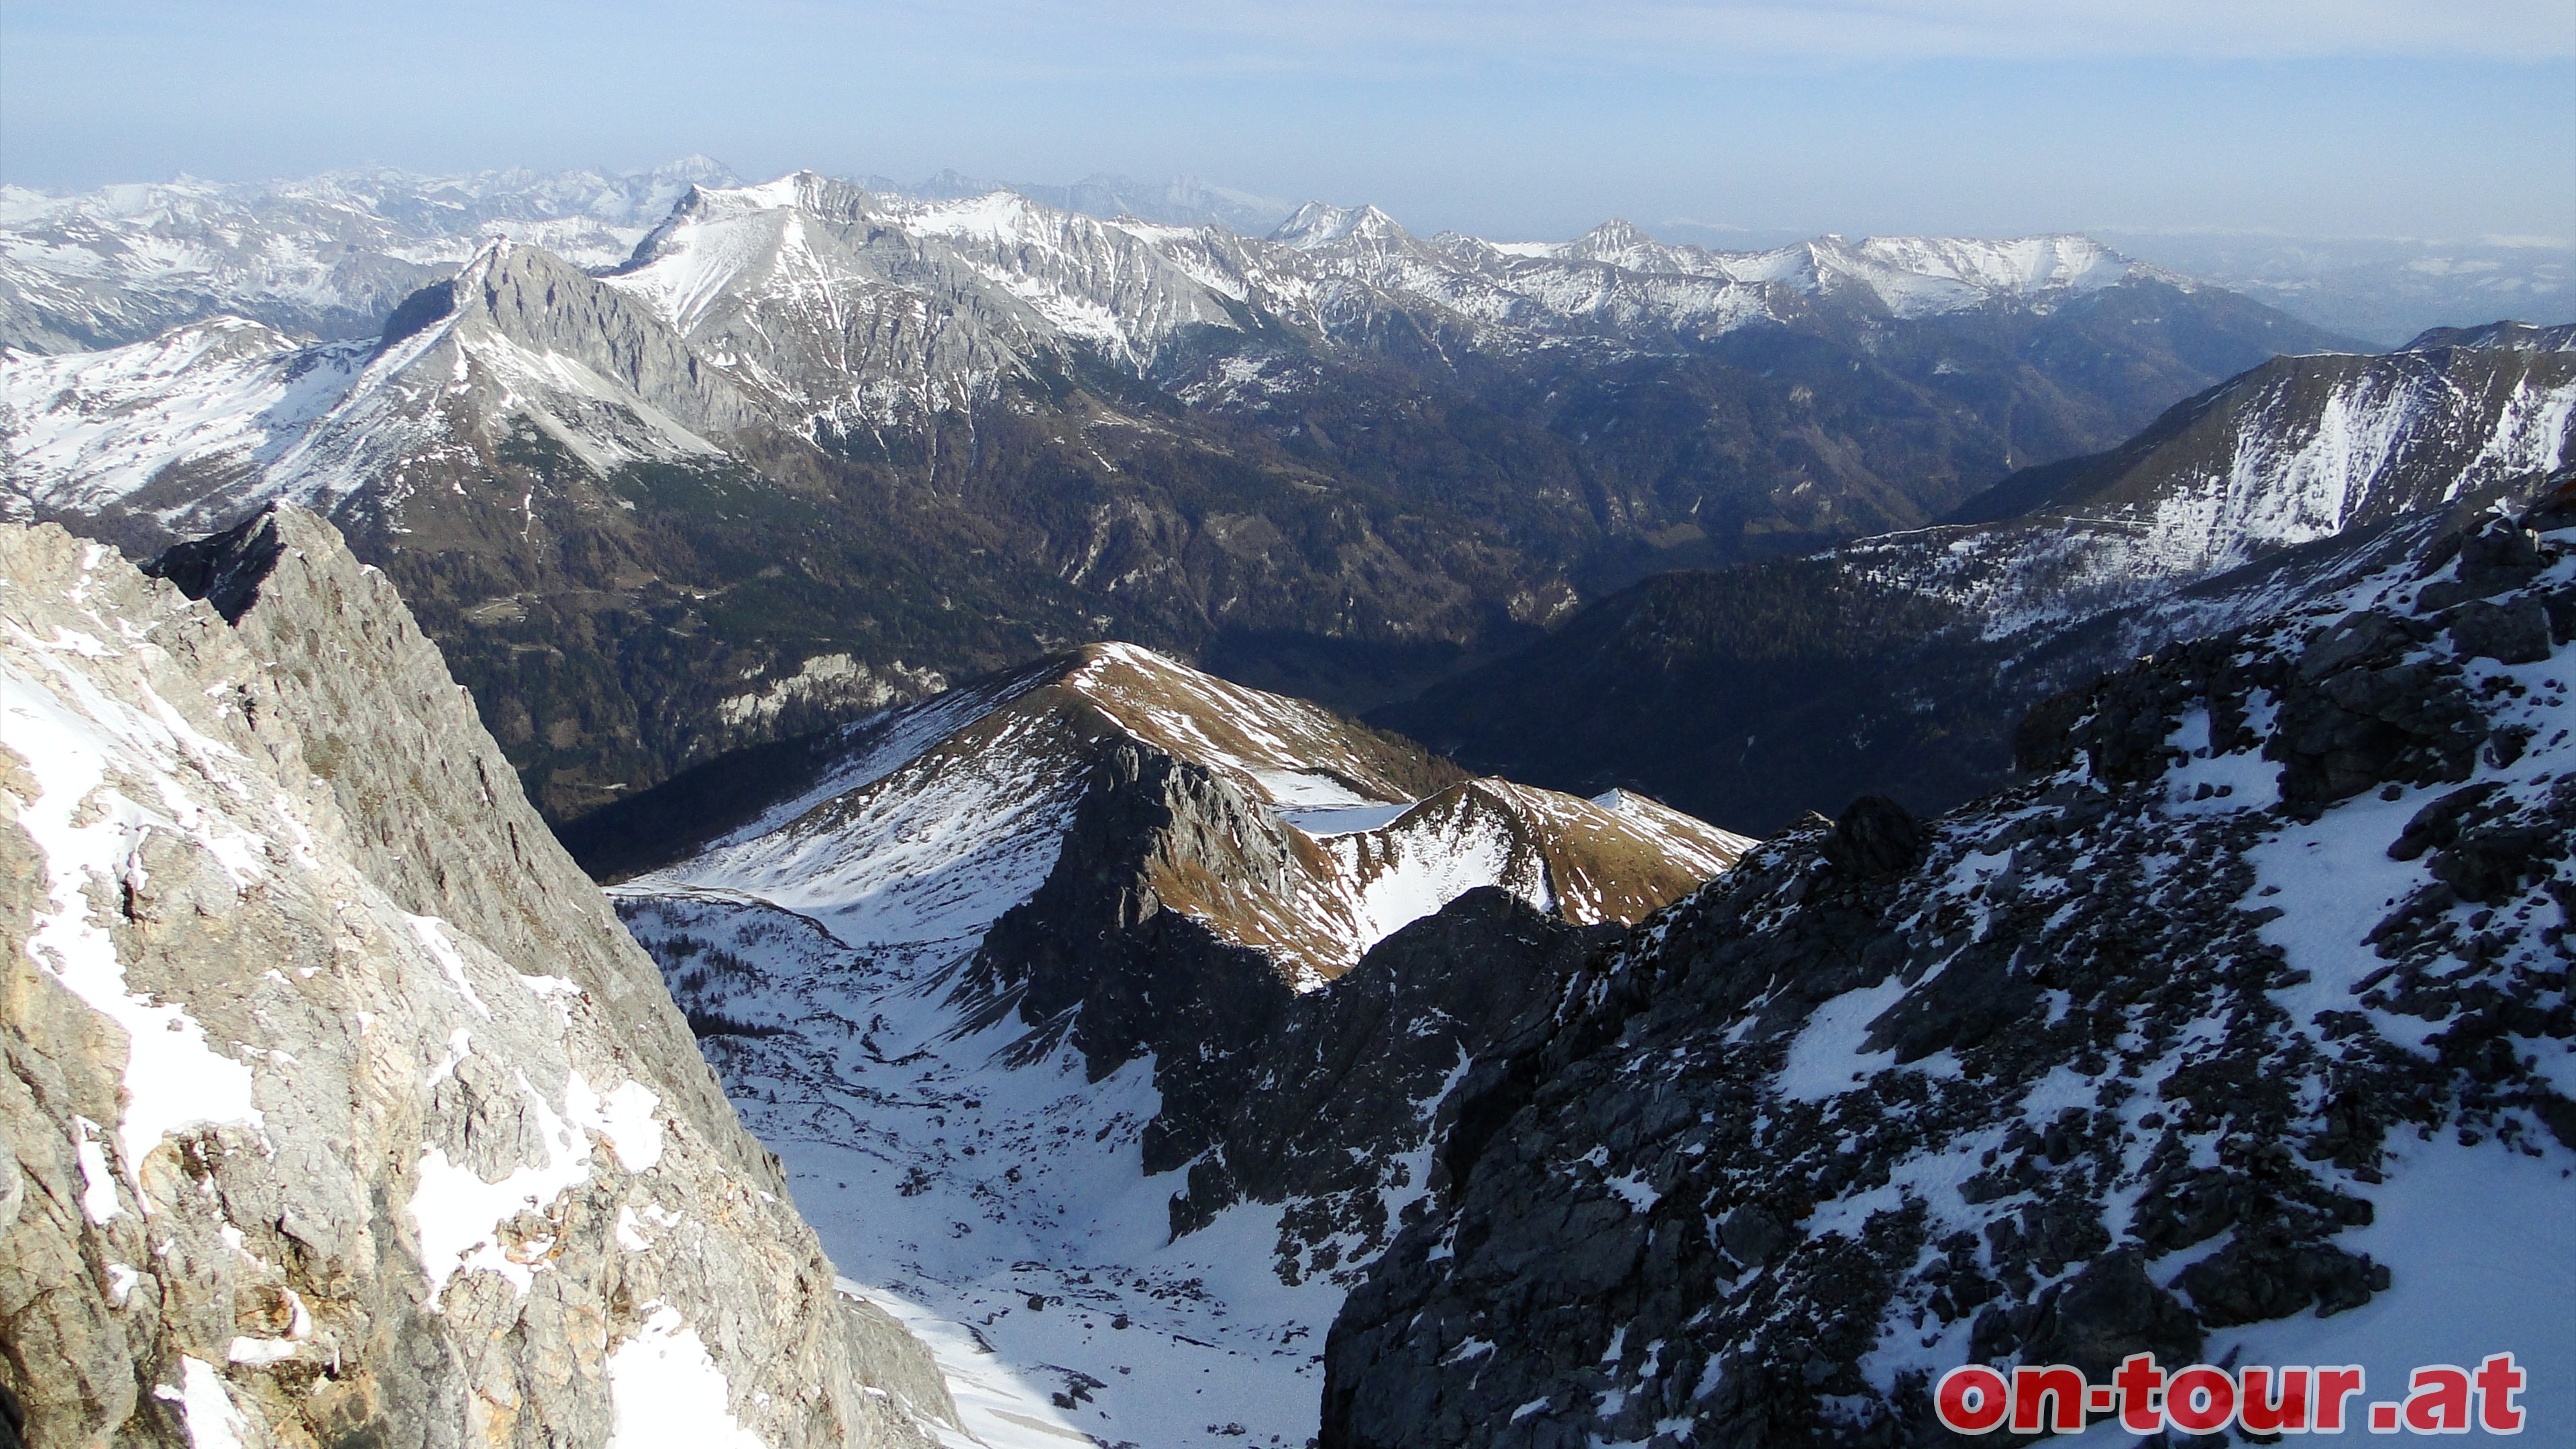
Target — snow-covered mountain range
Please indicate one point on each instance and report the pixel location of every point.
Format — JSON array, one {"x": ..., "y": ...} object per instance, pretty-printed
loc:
[
  {"x": 840, "y": 309},
  {"x": 836, "y": 306},
  {"x": 1164, "y": 1060},
  {"x": 1617, "y": 280},
  {"x": 328, "y": 255},
  {"x": 336, "y": 252},
  {"x": 1336, "y": 458},
  {"x": 331, "y": 254},
  {"x": 1175, "y": 201}
]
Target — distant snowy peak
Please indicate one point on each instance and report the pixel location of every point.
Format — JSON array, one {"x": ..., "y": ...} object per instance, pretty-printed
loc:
[
  {"x": 1274, "y": 823},
  {"x": 1317, "y": 224},
  {"x": 694, "y": 169},
  {"x": 1181, "y": 201},
  {"x": 847, "y": 306},
  {"x": 328, "y": 255},
  {"x": 210, "y": 420},
  {"x": 198, "y": 410},
  {"x": 524, "y": 340},
  {"x": 2019, "y": 267},
  {"x": 1911, "y": 276},
  {"x": 1624, "y": 244},
  {"x": 800, "y": 190},
  {"x": 2498, "y": 336}
]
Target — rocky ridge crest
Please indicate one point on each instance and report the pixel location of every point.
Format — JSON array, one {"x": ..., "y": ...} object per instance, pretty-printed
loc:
[
  {"x": 2214, "y": 1037},
  {"x": 1900, "y": 662}
]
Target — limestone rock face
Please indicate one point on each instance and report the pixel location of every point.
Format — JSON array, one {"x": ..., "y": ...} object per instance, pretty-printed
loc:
[{"x": 338, "y": 1108}]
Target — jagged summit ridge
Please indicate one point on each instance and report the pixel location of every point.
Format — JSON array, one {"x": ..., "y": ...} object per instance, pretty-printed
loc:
[
  {"x": 1318, "y": 224},
  {"x": 2293, "y": 452},
  {"x": 216, "y": 419},
  {"x": 817, "y": 301},
  {"x": 1910, "y": 275},
  {"x": 1366, "y": 454},
  {"x": 1328, "y": 836},
  {"x": 2511, "y": 336}
]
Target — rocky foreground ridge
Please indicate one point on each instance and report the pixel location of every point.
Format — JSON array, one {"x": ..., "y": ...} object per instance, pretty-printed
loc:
[
  {"x": 2237, "y": 1031},
  {"x": 339, "y": 1109}
]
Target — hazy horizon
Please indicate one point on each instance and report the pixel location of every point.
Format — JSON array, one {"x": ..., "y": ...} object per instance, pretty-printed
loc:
[
  {"x": 1708, "y": 232},
  {"x": 2309, "y": 119}
]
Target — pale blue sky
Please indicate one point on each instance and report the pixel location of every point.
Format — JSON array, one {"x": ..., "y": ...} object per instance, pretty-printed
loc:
[{"x": 1506, "y": 117}]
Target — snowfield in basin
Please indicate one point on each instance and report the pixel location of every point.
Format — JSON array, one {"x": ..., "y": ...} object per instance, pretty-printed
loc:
[
  {"x": 1000, "y": 1209},
  {"x": 987, "y": 1190}
]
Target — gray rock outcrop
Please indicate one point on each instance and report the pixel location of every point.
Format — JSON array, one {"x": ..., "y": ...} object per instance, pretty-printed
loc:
[
  {"x": 339, "y": 1108},
  {"x": 2151, "y": 1051}
]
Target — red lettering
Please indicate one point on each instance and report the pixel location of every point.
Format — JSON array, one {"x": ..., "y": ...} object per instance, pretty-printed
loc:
[
  {"x": 2138, "y": 1380},
  {"x": 2334, "y": 1386},
  {"x": 2498, "y": 1381},
  {"x": 2200, "y": 1400},
  {"x": 2263, "y": 1412},
  {"x": 2437, "y": 1400},
  {"x": 2062, "y": 1382},
  {"x": 1972, "y": 1399}
]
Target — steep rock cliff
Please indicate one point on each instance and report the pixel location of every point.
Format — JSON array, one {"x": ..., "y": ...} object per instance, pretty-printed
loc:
[{"x": 339, "y": 1108}]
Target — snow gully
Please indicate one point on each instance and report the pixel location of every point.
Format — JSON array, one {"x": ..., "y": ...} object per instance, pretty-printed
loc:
[{"x": 2201, "y": 1399}]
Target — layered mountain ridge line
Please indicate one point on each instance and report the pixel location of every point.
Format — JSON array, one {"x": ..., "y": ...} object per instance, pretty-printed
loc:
[
  {"x": 1284, "y": 829},
  {"x": 1145, "y": 1038},
  {"x": 795, "y": 259},
  {"x": 328, "y": 255},
  {"x": 592, "y": 221},
  {"x": 1896, "y": 663},
  {"x": 811, "y": 451},
  {"x": 2301, "y": 448}
]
